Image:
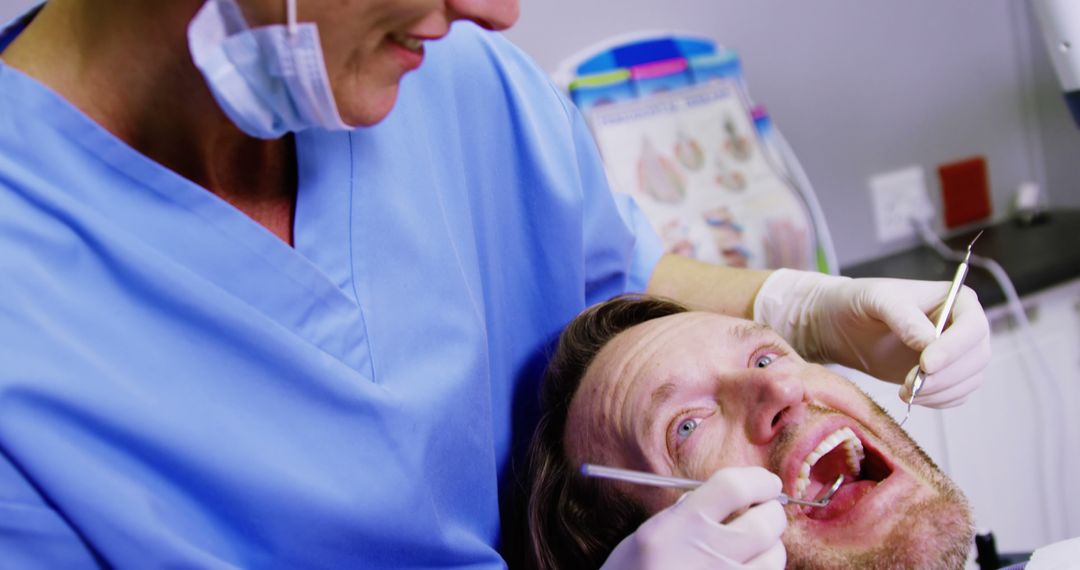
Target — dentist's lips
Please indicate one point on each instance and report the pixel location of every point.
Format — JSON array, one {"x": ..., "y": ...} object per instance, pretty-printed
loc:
[
  {"x": 415, "y": 45},
  {"x": 408, "y": 49},
  {"x": 836, "y": 449}
]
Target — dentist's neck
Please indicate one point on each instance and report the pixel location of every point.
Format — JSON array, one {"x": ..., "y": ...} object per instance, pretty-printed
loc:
[{"x": 126, "y": 64}]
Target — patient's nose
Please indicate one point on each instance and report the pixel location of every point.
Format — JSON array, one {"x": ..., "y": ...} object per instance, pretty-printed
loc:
[{"x": 773, "y": 399}]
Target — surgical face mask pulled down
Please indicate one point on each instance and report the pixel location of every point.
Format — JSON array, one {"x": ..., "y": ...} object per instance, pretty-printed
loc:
[{"x": 269, "y": 80}]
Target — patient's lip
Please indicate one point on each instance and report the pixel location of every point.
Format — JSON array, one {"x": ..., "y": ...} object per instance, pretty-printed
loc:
[
  {"x": 844, "y": 500},
  {"x": 863, "y": 510}
]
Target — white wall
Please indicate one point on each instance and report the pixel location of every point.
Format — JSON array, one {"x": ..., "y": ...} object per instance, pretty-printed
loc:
[{"x": 865, "y": 87}]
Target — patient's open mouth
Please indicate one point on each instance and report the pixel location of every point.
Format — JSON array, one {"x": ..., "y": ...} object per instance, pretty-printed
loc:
[{"x": 842, "y": 452}]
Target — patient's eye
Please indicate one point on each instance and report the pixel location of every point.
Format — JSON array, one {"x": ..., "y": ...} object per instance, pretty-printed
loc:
[
  {"x": 766, "y": 355},
  {"x": 686, "y": 427}
]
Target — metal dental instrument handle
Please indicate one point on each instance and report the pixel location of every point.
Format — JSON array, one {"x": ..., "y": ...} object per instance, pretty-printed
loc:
[
  {"x": 643, "y": 478},
  {"x": 942, "y": 319}
]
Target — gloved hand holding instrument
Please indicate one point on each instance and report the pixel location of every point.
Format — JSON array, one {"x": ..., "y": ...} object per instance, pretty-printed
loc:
[
  {"x": 917, "y": 378},
  {"x": 882, "y": 327},
  {"x": 731, "y": 521}
]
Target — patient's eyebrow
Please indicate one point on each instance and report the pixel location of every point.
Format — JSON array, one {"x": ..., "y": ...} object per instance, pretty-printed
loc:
[
  {"x": 658, "y": 398},
  {"x": 749, "y": 329}
]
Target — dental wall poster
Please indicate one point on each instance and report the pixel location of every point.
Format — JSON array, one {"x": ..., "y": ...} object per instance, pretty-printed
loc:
[{"x": 693, "y": 161}]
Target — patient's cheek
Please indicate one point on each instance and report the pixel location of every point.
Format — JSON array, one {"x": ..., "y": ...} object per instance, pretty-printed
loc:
[
  {"x": 654, "y": 499},
  {"x": 838, "y": 392},
  {"x": 715, "y": 451}
]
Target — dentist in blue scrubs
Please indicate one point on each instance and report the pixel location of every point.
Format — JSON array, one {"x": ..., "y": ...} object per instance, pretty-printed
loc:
[{"x": 277, "y": 278}]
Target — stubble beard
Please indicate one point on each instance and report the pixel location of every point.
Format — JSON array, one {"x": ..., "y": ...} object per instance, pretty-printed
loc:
[{"x": 932, "y": 534}]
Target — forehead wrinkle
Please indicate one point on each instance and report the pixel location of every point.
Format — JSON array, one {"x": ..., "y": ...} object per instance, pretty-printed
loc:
[
  {"x": 626, "y": 359},
  {"x": 598, "y": 435},
  {"x": 641, "y": 408}
]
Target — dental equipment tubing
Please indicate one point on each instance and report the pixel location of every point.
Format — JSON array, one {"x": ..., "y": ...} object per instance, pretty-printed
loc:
[
  {"x": 943, "y": 318},
  {"x": 643, "y": 478},
  {"x": 1048, "y": 398},
  {"x": 792, "y": 170}
]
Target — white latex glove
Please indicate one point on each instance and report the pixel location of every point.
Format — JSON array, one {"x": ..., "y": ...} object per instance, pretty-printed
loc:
[
  {"x": 695, "y": 533},
  {"x": 883, "y": 327}
]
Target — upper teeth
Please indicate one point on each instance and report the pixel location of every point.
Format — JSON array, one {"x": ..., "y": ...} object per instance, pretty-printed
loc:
[
  {"x": 409, "y": 42},
  {"x": 852, "y": 445}
]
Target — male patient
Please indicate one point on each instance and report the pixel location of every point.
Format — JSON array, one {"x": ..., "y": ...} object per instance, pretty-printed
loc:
[{"x": 642, "y": 383}]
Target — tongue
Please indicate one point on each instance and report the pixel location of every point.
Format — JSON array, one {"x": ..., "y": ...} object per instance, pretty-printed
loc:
[
  {"x": 845, "y": 498},
  {"x": 830, "y": 465}
]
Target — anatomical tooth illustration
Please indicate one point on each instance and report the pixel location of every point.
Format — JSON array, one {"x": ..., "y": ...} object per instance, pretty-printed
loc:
[
  {"x": 688, "y": 151},
  {"x": 658, "y": 177}
]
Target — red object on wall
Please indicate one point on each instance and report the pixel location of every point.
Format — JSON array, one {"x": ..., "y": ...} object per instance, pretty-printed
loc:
[{"x": 965, "y": 191}]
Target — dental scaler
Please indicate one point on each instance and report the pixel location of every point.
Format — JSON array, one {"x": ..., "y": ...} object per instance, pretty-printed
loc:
[{"x": 943, "y": 317}]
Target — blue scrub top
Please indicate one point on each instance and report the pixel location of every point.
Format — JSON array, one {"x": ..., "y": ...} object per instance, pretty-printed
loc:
[{"x": 180, "y": 388}]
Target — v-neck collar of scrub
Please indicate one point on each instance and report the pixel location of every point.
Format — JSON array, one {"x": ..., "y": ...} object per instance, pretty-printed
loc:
[
  {"x": 11, "y": 29},
  {"x": 315, "y": 216},
  {"x": 312, "y": 283}
]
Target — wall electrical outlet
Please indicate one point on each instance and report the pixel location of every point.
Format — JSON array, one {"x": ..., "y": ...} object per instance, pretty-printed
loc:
[{"x": 899, "y": 198}]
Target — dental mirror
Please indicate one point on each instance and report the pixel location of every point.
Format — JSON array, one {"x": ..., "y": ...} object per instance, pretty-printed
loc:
[{"x": 643, "y": 478}]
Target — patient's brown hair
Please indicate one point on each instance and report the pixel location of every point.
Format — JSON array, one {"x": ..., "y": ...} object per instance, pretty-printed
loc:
[{"x": 573, "y": 521}]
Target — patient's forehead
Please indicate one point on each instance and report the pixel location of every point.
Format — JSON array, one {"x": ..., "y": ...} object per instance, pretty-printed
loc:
[
  {"x": 633, "y": 367},
  {"x": 692, "y": 334}
]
